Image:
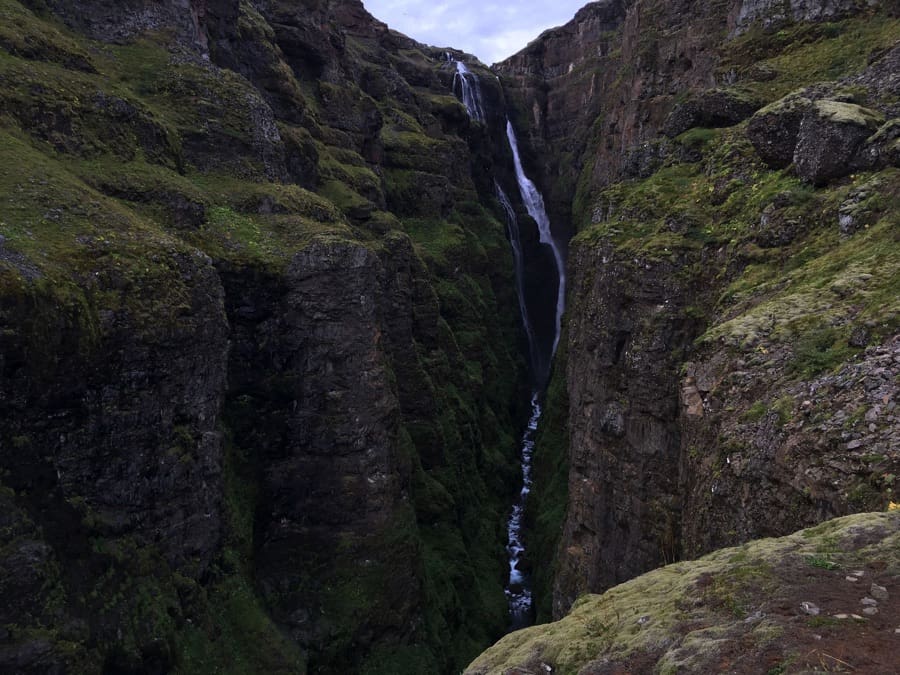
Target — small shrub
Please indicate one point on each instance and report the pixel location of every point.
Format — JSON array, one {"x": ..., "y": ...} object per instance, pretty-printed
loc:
[
  {"x": 822, "y": 562},
  {"x": 820, "y": 350},
  {"x": 755, "y": 412}
]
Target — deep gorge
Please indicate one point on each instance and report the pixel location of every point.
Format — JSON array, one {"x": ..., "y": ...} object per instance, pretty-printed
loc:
[{"x": 281, "y": 303}]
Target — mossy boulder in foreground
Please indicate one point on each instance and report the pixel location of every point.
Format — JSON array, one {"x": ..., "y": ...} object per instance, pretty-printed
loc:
[{"x": 824, "y": 598}]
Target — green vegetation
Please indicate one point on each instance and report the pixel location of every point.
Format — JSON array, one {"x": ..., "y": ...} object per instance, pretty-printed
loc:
[
  {"x": 123, "y": 166},
  {"x": 820, "y": 350},
  {"x": 804, "y": 53},
  {"x": 799, "y": 279}
]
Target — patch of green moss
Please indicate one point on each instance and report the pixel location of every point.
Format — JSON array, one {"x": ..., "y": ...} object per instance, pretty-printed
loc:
[
  {"x": 25, "y": 35},
  {"x": 698, "y": 138},
  {"x": 848, "y": 113},
  {"x": 755, "y": 412},
  {"x": 236, "y": 635},
  {"x": 679, "y": 614},
  {"x": 807, "y": 52},
  {"x": 820, "y": 350}
]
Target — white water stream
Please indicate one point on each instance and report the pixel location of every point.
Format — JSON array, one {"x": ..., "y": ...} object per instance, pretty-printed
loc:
[
  {"x": 471, "y": 91},
  {"x": 534, "y": 203},
  {"x": 518, "y": 588}
]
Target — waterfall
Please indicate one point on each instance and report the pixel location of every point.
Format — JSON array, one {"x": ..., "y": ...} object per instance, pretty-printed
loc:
[
  {"x": 512, "y": 228},
  {"x": 534, "y": 203},
  {"x": 518, "y": 590},
  {"x": 518, "y": 587},
  {"x": 471, "y": 92}
]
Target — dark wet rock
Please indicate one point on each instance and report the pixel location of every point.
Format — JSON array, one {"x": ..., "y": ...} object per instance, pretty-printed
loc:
[
  {"x": 778, "y": 226},
  {"x": 859, "y": 337},
  {"x": 645, "y": 159},
  {"x": 625, "y": 323},
  {"x": 882, "y": 149}
]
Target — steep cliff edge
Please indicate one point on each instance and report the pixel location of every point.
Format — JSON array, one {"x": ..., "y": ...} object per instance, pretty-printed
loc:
[
  {"x": 731, "y": 171},
  {"x": 259, "y": 363}
]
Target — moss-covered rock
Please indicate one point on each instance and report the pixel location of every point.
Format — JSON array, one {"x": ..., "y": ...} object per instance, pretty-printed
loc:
[
  {"x": 830, "y": 137},
  {"x": 713, "y": 108},
  {"x": 774, "y": 129},
  {"x": 774, "y": 605}
]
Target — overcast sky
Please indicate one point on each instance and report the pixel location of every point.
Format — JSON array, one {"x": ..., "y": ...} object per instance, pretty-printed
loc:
[{"x": 489, "y": 30}]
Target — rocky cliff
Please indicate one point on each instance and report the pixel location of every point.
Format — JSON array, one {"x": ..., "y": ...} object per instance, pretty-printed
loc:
[
  {"x": 260, "y": 351},
  {"x": 732, "y": 362}
]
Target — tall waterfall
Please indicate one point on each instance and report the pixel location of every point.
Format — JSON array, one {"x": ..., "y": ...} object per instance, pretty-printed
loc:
[
  {"x": 534, "y": 203},
  {"x": 518, "y": 587}
]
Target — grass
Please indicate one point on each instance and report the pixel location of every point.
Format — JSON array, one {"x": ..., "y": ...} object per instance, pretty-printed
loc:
[
  {"x": 819, "y": 350},
  {"x": 822, "y": 562},
  {"x": 803, "y": 53}
]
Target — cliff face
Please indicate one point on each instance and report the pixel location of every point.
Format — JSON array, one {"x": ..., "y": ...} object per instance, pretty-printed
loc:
[
  {"x": 259, "y": 344},
  {"x": 731, "y": 355}
]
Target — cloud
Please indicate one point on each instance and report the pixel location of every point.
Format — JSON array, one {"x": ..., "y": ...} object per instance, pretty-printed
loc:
[{"x": 490, "y": 30}]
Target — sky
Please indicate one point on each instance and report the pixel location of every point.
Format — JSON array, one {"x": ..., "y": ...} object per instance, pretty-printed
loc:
[{"x": 489, "y": 30}]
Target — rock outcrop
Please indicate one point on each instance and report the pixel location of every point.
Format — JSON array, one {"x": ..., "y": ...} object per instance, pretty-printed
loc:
[
  {"x": 823, "y": 138},
  {"x": 801, "y": 602}
]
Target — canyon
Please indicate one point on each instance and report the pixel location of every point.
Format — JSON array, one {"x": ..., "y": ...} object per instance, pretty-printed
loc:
[{"x": 284, "y": 294}]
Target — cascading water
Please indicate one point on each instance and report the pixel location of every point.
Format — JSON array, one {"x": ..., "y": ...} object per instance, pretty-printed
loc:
[
  {"x": 518, "y": 588},
  {"x": 471, "y": 91},
  {"x": 534, "y": 203}
]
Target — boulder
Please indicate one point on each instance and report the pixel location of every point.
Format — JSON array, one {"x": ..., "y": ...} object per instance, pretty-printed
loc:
[
  {"x": 824, "y": 138},
  {"x": 713, "y": 108},
  {"x": 774, "y": 130},
  {"x": 831, "y": 133}
]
